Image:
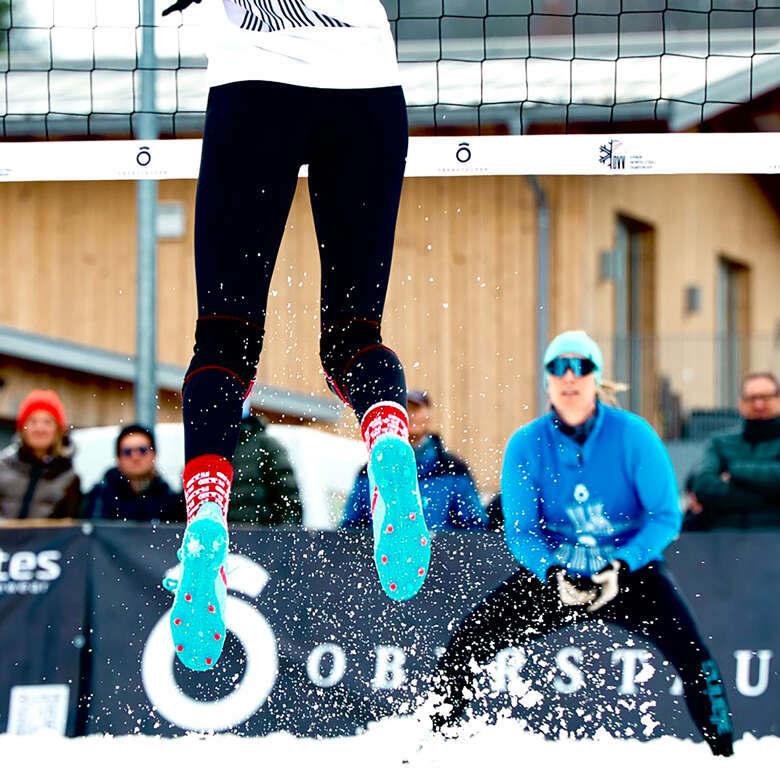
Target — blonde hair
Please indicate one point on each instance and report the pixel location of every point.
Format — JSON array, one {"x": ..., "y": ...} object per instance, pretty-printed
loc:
[
  {"x": 607, "y": 392},
  {"x": 58, "y": 445}
]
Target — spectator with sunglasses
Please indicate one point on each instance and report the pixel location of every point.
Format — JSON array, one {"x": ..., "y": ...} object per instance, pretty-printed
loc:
[
  {"x": 589, "y": 499},
  {"x": 133, "y": 490},
  {"x": 737, "y": 483}
]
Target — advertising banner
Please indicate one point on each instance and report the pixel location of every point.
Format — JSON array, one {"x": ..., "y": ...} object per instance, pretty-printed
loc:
[
  {"x": 43, "y": 587},
  {"x": 315, "y": 648}
]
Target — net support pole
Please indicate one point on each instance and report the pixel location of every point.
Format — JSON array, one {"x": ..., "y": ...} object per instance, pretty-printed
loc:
[
  {"x": 146, "y": 207},
  {"x": 542, "y": 288}
]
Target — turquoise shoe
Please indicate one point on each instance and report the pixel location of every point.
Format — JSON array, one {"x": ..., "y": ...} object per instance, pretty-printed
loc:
[
  {"x": 402, "y": 544},
  {"x": 198, "y": 612}
]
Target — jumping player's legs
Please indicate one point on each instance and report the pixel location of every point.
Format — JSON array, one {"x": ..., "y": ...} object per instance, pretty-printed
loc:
[
  {"x": 248, "y": 175},
  {"x": 650, "y": 606},
  {"x": 518, "y": 610},
  {"x": 355, "y": 180}
]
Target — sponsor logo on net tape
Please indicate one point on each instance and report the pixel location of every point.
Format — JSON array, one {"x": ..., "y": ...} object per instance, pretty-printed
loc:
[
  {"x": 618, "y": 157},
  {"x": 141, "y": 167},
  {"x": 461, "y": 160}
]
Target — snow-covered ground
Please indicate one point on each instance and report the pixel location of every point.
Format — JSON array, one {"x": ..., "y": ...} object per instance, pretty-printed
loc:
[{"x": 395, "y": 748}]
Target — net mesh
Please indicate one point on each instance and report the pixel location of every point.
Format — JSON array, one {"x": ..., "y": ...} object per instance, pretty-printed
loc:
[{"x": 71, "y": 68}]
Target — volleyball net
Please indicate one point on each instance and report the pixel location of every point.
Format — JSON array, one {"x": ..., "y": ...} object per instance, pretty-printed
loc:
[
  {"x": 625, "y": 72},
  {"x": 71, "y": 68}
]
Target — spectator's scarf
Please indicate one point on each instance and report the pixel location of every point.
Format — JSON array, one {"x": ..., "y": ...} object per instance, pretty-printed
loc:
[
  {"x": 579, "y": 432},
  {"x": 756, "y": 431},
  {"x": 141, "y": 484}
]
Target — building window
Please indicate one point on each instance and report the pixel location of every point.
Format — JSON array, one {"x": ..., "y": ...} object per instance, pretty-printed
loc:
[
  {"x": 634, "y": 277},
  {"x": 732, "y": 329}
]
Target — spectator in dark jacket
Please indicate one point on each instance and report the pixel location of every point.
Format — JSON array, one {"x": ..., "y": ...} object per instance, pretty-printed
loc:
[
  {"x": 737, "y": 484},
  {"x": 264, "y": 488},
  {"x": 495, "y": 513},
  {"x": 133, "y": 490},
  {"x": 449, "y": 495},
  {"x": 36, "y": 470}
]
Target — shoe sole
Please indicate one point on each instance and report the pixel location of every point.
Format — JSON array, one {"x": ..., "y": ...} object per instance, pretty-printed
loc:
[
  {"x": 197, "y": 619},
  {"x": 403, "y": 544}
]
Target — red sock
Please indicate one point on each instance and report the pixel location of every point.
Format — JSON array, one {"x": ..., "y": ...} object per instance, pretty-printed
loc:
[
  {"x": 207, "y": 478},
  {"x": 386, "y": 418}
]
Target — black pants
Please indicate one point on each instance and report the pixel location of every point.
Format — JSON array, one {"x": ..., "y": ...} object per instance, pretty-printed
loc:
[
  {"x": 648, "y": 605},
  {"x": 256, "y": 137}
]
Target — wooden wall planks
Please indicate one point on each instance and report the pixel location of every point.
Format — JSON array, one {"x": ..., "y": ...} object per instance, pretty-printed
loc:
[{"x": 461, "y": 305}]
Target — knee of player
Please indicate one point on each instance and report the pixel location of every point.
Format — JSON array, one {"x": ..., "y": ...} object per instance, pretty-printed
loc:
[
  {"x": 342, "y": 341},
  {"x": 227, "y": 343}
]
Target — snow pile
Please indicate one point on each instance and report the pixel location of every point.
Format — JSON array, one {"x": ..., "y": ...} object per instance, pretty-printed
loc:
[{"x": 394, "y": 748}]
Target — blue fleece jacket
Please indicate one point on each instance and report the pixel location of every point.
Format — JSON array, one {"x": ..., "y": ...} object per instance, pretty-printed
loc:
[{"x": 614, "y": 497}]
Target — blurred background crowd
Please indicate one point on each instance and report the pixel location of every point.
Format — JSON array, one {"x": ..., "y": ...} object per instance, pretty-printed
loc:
[{"x": 735, "y": 484}]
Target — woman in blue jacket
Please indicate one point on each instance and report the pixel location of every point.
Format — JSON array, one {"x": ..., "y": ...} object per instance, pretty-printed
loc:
[{"x": 590, "y": 503}]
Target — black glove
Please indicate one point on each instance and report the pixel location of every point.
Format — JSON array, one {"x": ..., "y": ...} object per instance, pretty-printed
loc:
[
  {"x": 179, "y": 5},
  {"x": 608, "y": 580}
]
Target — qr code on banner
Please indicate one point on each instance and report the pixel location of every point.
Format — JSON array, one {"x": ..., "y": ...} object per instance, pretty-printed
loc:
[{"x": 37, "y": 708}]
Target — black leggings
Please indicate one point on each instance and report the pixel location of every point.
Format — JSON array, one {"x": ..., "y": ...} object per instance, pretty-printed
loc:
[
  {"x": 648, "y": 605},
  {"x": 256, "y": 137}
]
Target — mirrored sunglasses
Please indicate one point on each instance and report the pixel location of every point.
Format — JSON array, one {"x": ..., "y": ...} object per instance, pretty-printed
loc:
[
  {"x": 126, "y": 452},
  {"x": 579, "y": 366}
]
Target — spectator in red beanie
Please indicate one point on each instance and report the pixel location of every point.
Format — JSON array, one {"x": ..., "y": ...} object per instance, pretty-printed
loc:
[{"x": 36, "y": 470}]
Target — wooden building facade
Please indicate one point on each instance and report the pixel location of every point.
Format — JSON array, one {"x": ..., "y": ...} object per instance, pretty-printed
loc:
[{"x": 678, "y": 277}]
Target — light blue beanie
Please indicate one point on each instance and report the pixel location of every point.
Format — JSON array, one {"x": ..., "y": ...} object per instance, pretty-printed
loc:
[{"x": 579, "y": 343}]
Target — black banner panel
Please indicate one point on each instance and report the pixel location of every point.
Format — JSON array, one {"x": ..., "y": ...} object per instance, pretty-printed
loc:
[
  {"x": 43, "y": 598},
  {"x": 315, "y": 648}
]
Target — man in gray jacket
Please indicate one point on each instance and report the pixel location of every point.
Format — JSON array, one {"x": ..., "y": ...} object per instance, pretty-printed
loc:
[{"x": 737, "y": 484}]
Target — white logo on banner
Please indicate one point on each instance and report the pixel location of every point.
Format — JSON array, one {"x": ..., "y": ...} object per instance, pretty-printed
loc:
[
  {"x": 29, "y": 573},
  {"x": 36, "y": 709},
  {"x": 262, "y": 660},
  {"x": 747, "y": 685}
]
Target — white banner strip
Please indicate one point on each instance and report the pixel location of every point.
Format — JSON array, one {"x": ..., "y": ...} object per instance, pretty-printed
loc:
[{"x": 578, "y": 155}]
